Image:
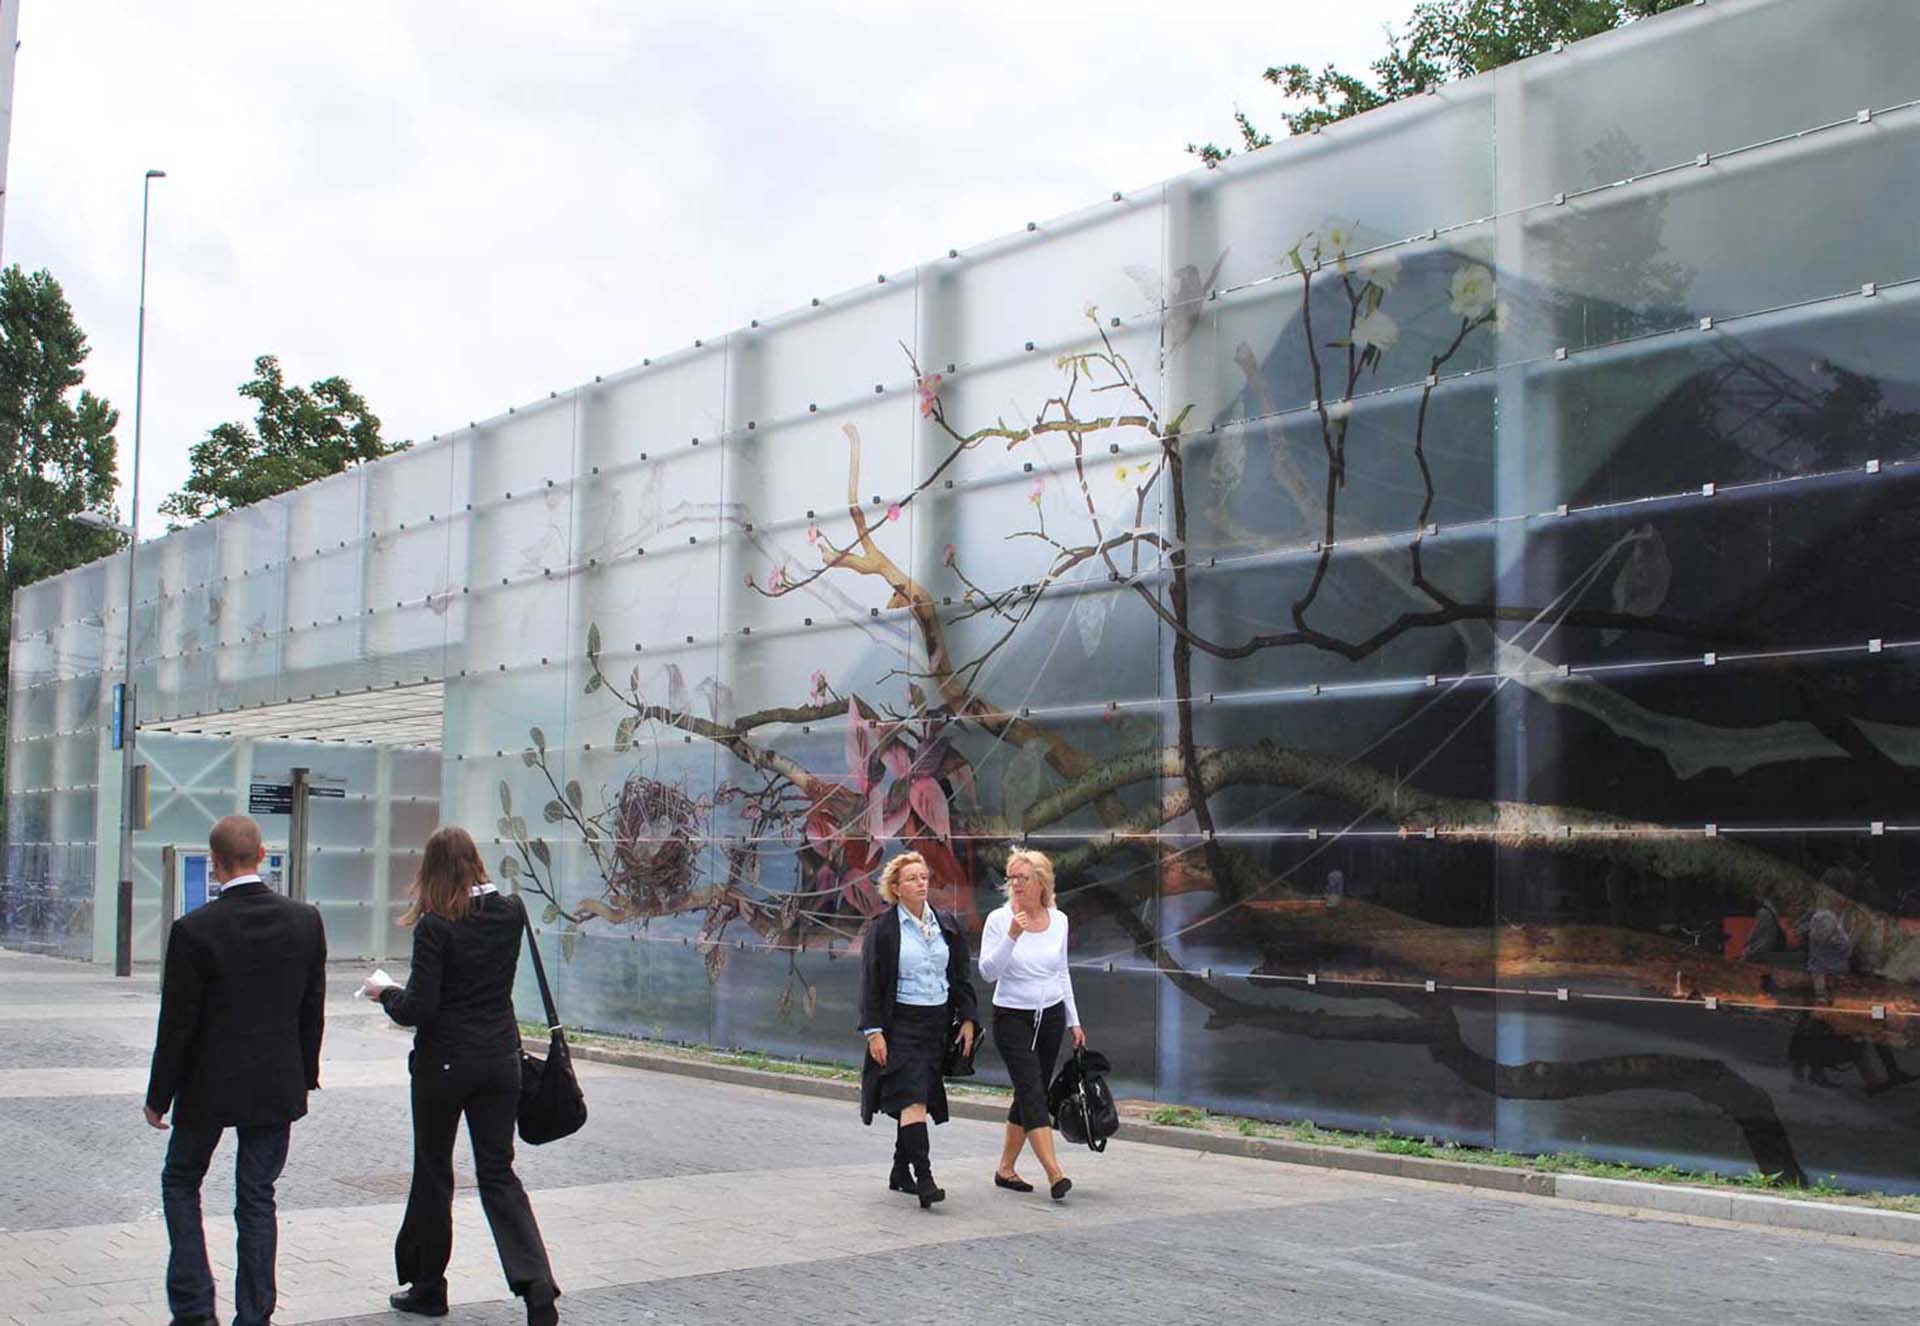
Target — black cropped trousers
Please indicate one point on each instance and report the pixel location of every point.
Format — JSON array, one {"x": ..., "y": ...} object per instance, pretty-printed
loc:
[{"x": 1029, "y": 1043}]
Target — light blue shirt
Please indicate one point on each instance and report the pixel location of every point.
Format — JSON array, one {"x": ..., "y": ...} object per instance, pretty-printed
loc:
[
  {"x": 922, "y": 976},
  {"x": 922, "y": 981}
]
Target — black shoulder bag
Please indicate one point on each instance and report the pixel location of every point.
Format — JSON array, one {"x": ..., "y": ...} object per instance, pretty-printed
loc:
[{"x": 551, "y": 1106}]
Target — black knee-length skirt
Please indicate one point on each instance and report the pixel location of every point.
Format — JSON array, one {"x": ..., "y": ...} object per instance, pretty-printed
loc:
[{"x": 916, "y": 1049}]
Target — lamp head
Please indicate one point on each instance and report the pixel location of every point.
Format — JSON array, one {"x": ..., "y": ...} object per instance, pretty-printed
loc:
[
  {"x": 156, "y": 174},
  {"x": 97, "y": 520}
]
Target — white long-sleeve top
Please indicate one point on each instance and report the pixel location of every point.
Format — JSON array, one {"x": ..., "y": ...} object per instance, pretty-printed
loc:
[{"x": 1031, "y": 971}]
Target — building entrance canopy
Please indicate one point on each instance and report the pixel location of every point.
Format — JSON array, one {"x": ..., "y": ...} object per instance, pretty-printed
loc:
[{"x": 409, "y": 716}]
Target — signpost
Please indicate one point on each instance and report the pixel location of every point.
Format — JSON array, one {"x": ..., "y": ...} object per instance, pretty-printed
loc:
[
  {"x": 277, "y": 798},
  {"x": 290, "y": 799}
]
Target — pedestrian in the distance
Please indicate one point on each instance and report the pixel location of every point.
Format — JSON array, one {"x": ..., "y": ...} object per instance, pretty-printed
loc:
[
  {"x": 916, "y": 998},
  {"x": 242, "y": 998},
  {"x": 1023, "y": 950},
  {"x": 465, "y": 1061}
]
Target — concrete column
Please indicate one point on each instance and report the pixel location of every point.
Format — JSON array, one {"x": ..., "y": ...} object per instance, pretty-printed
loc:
[{"x": 382, "y": 853}]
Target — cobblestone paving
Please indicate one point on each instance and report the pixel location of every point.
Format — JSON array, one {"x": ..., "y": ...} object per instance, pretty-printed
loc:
[
  {"x": 1433, "y": 1258},
  {"x": 693, "y": 1202}
]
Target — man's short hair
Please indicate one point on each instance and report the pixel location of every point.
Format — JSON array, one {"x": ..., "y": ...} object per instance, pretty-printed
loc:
[{"x": 235, "y": 843}]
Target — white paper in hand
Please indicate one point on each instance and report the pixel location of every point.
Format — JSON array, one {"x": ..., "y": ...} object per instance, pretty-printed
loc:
[{"x": 379, "y": 978}]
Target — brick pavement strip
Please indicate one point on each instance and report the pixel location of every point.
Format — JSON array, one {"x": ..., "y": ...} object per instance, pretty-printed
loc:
[{"x": 337, "y": 1262}]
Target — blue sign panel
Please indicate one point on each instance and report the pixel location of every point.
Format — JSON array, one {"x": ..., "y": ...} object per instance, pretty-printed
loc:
[
  {"x": 119, "y": 713},
  {"x": 193, "y": 881}
]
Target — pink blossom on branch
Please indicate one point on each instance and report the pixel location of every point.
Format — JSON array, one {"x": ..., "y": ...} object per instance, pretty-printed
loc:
[
  {"x": 929, "y": 389},
  {"x": 893, "y": 511}
]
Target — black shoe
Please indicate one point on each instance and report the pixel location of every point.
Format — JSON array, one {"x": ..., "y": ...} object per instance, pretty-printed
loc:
[
  {"x": 1011, "y": 1185},
  {"x": 198, "y": 1319},
  {"x": 928, "y": 1191},
  {"x": 420, "y": 1302},
  {"x": 1061, "y": 1187},
  {"x": 901, "y": 1178}
]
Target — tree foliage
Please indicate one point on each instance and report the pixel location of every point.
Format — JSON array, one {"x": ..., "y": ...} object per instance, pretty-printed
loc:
[
  {"x": 299, "y": 434},
  {"x": 1444, "y": 40},
  {"x": 57, "y": 453}
]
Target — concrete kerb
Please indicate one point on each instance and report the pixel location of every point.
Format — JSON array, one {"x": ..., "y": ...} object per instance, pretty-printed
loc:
[{"x": 1673, "y": 1199}]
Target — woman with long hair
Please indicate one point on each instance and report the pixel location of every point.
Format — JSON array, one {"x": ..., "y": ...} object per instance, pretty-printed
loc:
[
  {"x": 916, "y": 998},
  {"x": 465, "y": 1061},
  {"x": 1023, "y": 951}
]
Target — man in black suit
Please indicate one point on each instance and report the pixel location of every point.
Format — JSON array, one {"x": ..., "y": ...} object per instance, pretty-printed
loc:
[{"x": 241, "y": 1006}]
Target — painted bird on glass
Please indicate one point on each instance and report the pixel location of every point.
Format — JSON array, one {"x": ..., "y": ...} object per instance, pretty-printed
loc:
[
  {"x": 1179, "y": 299},
  {"x": 1640, "y": 588}
]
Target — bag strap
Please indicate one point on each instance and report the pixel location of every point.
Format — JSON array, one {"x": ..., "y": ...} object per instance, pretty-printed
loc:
[
  {"x": 1094, "y": 1144},
  {"x": 540, "y": 971}
]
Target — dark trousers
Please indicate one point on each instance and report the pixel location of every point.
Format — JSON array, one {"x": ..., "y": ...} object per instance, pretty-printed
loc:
[
  {"x": 263, "y": 1154},
  {"x": 487, "y": 1092},
  {"x": 1029, "y": 1043}
]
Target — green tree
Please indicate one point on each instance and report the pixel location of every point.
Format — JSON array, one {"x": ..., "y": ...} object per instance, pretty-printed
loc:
[
  {"x": 57, "y": 453},
  {"x": 1444, "y": 40},
  {"x": 300, "y": 434}
]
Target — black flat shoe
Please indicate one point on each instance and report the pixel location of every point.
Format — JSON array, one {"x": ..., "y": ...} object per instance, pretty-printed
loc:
[
  {"x": 1011, "y": 1185},
  {"x": 901, "y": 1180},
  {"x": 929, "y": 1192},
  {"x": 419, "y": 1302},
  {"x": 1061, "y": 1187}
]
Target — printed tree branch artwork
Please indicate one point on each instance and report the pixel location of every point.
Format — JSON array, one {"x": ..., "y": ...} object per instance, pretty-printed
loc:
[{"x": 788, "y": 846}]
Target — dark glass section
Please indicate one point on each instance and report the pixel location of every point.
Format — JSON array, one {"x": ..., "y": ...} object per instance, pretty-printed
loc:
[
  {"x": 1775, "y": 396},
  {"x": 1820, "y": 740},
  {"x": 1767, "y": 568}
]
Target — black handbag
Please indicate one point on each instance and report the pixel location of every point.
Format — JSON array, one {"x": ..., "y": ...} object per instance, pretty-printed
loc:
[
  {"x": 958, "y": 1061},
  {"x": 1082, "y": 1103},
  {"x": 551, "y": 1105}
]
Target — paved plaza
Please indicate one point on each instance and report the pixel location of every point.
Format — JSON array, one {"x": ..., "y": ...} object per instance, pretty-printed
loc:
[{"x": 689, "y": 1201}]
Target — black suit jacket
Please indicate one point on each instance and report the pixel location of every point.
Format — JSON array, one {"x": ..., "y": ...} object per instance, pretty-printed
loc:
[
  {"x": 242, "y": 1002},
  {"x": 459, "y": 991},
  {"x": 879, "y": 978}
]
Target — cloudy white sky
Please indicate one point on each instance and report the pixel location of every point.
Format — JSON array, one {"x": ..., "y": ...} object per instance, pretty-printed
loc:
[{"x": 462, "y": 204}]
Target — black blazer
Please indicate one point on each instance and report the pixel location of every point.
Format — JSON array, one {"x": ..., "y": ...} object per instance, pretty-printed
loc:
[
  {"x": 459, "y": 991},
  {"x": 880, "y": 976},
  {"x": 242, "y": 1008}
]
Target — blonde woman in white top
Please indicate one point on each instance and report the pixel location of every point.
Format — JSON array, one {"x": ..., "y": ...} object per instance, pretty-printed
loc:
[{"x": 1023, "y": 951}]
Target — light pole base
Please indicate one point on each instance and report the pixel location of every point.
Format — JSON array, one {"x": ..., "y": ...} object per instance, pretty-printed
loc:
[{"x": 123, "y": 930}]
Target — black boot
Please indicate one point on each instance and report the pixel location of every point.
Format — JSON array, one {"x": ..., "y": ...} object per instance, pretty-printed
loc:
[
  {"x": 913, "y": 1139},
  {"x": 422, "y": 1300},
  {"x": 540, "y": 1308},
  {"x": 900, "y": 1178}
]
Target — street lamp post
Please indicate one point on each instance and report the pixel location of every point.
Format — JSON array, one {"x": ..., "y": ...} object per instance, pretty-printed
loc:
[{"x": 123, "y": 900}]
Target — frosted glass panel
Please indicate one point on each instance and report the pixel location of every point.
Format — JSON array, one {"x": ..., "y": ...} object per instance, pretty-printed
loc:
[{"x": 1455, "y": 558}]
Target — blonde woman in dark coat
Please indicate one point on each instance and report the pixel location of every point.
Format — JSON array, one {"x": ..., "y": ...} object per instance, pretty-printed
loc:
[{"x": 916, "y": 998}]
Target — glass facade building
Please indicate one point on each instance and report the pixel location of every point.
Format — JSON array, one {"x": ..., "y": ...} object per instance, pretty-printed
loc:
[{"x": 1435, "y": 587}]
